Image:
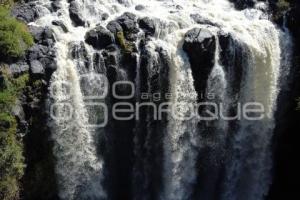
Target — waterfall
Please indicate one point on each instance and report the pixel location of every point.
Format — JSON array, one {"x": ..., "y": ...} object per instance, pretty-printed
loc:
[
  {"x": 247, "y": 66},
  {"x": 78, "y": 167},
  {"x": 181, "y": 137}
]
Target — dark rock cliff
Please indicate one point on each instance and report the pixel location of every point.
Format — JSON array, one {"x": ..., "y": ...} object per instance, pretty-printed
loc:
[{"x": 286, "y": 166}]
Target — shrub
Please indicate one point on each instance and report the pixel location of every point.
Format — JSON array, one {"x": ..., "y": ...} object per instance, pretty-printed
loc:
[
  {"x": 11, "y": 148},
  {"x": 282, "y": 6},
  {"x": 14, "y": 35}
]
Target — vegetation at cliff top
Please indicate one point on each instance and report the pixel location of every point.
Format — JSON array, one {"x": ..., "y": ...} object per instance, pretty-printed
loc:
[
  {"x": 282, "y": 6},
  {"x": 14, "y": 35},
  {"x": 11, "y": 148}
]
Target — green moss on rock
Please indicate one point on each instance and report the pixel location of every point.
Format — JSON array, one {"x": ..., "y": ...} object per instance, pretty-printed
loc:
[{"x": 125, "y": 45}]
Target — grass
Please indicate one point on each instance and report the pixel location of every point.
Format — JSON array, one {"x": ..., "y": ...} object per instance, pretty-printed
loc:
[
  {"x": 11, "y": 148},
  {"x": 15, "y": 38}
]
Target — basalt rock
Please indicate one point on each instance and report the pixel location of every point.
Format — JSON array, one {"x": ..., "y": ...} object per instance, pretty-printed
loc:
[
  {"x": 25, "y": 12},
  {"x": 114, "y": 27},
  {"x": 61, "y": 25},
  {"x": 99, "y": 37},
  {"x": 201, "y": 20},
  {"x": 16, "y": 69},
  {"x": 243, "y": 4},
  {"x": 128, "y": 22},
  {"x": 79, "y": 53},
  {"x": 42, "y": 51},
  {"x": 139, "y": 7},
  {"x": 36, "y": 68},
  {"x": 75, "y": 15},
  {"x": 233, "y": 58},
  {"x": 55, "y": 5},
  {"x": 147, "y": 25},
  {"x": 43, "y": 36},
  {"x": 200, "y": 44},
  {"x": 104, "y": 16}
]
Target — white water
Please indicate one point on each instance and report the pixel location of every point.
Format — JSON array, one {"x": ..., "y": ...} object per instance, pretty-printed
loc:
[
  {"x": 78, "y": 168},
  {"x": 77, "y": 162}
]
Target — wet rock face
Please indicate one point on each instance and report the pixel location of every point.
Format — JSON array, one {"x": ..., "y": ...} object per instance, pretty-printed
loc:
[
  {"x": 147, "y": 25},
  {"x": 293, "y": 21},
  {"x": 200, "y": 45},
  {"x": 99, "y": 37},
  {"x": 233, "y": 58},
  {"x": 75, "y": 15}
]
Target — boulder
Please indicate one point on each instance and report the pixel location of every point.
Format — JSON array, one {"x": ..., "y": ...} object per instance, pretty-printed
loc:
[
  {"x": 37, "y": 32},
  {"x": 61, "y": 25},
  {"x": 18, "y": 112},
  {"x": 55, "y": 5},
  {"x": 200, "y": 45},
  {"x": 114, "y": 27},
  {"x": 75, "y": 14},
  {"x": 99, "y": 37},
  {"x": 43, "y": 49},
  {"x": 18, "y": 68},
  {"x": 147, "y": 25},
  {"x": 36, "y": 68},
  {"x": 44, "y": 36},
  {"x": 104, "y": 16},
  {"x": 139, "y": 7},
  {"x": 128, "y": 22},
  {"x": 25, "y": 12}
]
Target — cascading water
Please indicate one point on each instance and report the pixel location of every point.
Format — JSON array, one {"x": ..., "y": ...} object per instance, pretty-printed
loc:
[
  {"x": 253, "y": 48},
  {"x": 181, "y": 138}
]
